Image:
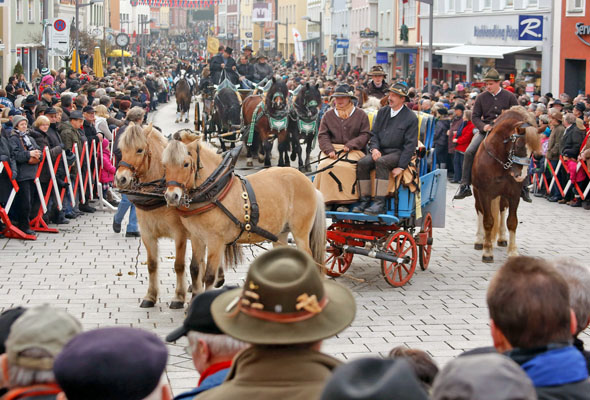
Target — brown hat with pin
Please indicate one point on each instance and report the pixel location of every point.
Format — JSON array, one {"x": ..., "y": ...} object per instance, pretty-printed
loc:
[
  {"x": 400, "y": 89},
  {"x": 492, "y": 75},
  {"x": 284, "y": 301},
  {"x": 377, "y": 70}
]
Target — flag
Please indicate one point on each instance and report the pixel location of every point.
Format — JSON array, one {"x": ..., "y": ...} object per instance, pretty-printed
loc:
[{"x": 212, "y": 45}]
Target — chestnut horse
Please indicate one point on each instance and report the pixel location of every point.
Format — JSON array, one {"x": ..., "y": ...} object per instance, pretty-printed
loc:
[
  {"x": 141, "y": 162},
  {"x": 183, "y": 99},
  {"x": 262, "y": 116},
  {"x": 499, "y": 171},
  {"x": 281, "y": 199}
]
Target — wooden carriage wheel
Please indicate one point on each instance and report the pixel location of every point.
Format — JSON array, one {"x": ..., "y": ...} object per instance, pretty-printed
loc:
[
  {"x": 337, "y": 262},
  {"x": 402, "y": 245},
  {"x": 426, "y": 249}
]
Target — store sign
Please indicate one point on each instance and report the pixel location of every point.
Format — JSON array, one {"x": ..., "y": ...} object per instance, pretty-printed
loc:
[
  {"x": 367, "y": 47},
  {"x": 249, "y": 35},
  {"x": 262, "y": 12},
  {"x": 581, "y": 31},
  {"x": 495, "y": 32},
  {"x": 381, "y": 57},
  {"x": 342, "y": 43},
  {"x": 367, "y": 33},
  {"x": 530, "y": 27}
]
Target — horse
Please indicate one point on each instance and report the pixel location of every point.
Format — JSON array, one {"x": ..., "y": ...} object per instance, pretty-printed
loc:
[
  {"x": 303, "y": 125},
  {"x": 262, "y": 116},
  {"x": 499, "y": 170},
  {"x": 141, "y": 162},
  {"x": 368, "y": 103},
  {"x": 231, "y": 209},
  {"x": 227, "y": 106},
  {"x": 183, "y": 99}
]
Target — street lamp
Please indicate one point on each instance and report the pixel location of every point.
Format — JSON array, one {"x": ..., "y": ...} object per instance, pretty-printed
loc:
[
  {"x": 78, "y": 6},
  {"x": 308, "y": 19}
]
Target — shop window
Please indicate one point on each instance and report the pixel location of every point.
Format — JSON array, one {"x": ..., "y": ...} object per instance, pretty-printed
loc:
[{"x": 528, "y": 73}]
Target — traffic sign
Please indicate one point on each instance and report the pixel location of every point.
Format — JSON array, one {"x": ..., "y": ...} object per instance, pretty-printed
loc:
[
  {"x": 59, "y": 37},
  {"x": 59, "y": 25}
]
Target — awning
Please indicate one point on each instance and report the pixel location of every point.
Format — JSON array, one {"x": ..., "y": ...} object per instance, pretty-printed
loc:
[
  {"x": 481, "y": 51},
  {"x": 399, "y": 50}
]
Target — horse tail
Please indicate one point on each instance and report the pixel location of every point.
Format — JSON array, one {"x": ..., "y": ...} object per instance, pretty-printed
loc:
[
  {"x": 317, "y": 236},
  {"x": 233, "y": 255},
  {"x": 495, "y": 210}
]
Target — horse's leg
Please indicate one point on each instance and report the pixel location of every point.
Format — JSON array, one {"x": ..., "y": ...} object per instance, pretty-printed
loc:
[
  {"x": 308, "y": 149},
  {"x": 283, "y": 240},
  {"x": 177, "y": 113},
  {"x": 214, "y": 258},
  {"x": 512, "y": 225},
  {"x": 188, "y": 111},
  {"x": 502, "y": 242},
  {"x": 197, "y": 266},
  {"x": 267, "y": 153},
  {"x": 283, "y": 154},
  {"x": 249, "y": 162},
  {"x": 490, "y": 223},
  {"x": 179, "y": 265},
  {"x": 151, "y": 247},
  {"x": 478, "y": 245}
]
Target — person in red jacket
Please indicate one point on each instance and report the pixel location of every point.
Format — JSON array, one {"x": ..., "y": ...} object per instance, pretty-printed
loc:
[{"x": 462, "y": 139}]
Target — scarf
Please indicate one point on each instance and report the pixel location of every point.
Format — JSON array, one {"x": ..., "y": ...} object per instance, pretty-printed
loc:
[
  {"x": 25, "y": 139},
  {"x": 346, "y": 111}
]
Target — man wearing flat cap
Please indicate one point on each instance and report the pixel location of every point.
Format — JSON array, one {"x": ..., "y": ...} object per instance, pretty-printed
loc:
[
  {"x": 377, "y": 87},
  {"x": 285, "y": 310},
  {"x": 212, "y": 351},
  {"x": 394, "y": 138},
  {"x": 488, "y": 106}
]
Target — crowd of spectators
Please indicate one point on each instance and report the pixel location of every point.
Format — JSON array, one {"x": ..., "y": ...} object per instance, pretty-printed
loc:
[{"x": 264, "y": 341}]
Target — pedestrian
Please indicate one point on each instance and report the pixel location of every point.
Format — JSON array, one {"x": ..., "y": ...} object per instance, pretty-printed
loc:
[
  {"x": 461, "y": 139},
  {"x": 441, "y": 141}
]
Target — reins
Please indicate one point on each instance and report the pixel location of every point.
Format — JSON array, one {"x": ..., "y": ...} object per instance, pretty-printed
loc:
[{"x": 512, "y": 158}]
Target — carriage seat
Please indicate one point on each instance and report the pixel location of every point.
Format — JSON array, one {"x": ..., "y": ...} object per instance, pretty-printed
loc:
[{"x": 409, "y": 178}]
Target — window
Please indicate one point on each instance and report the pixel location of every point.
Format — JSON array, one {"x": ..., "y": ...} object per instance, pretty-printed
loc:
[
  {"x": 19, "y": 10},
  {"x": 576, "y": 6},
  {"x": 407, "y": 13},
  {"x": 41, "y": 11},
  {"x": 487, "y": 4},
  {"x": 450, "y": 5},
  {"x": 31, "y": 11},
  {"x": 468, "y": 5},
  {"x": 508, "y": 4},
  {"x": 532, "y": 3}
]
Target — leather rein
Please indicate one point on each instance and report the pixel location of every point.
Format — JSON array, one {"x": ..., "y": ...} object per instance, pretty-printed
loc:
[{"x": 512, "y": 158}]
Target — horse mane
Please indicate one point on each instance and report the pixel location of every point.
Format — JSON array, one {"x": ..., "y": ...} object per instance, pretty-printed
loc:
[
  {"x": 186, "y": 135},
  {"x": 372, "y": 104},
  {"x": 278, "y": 85},
  {"x": 133, "y": 137},
  {"x": 518, "y": 114},
  {"x": 174, "y": 153}
]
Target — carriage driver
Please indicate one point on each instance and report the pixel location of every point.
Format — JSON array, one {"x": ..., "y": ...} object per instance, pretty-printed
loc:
[
  {"x": 344, "y": 133},
  {"x": 394, "y": 138}
]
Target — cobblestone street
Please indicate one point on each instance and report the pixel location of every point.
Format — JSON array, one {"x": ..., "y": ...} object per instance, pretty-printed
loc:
[{"x": 100, "y": 277}]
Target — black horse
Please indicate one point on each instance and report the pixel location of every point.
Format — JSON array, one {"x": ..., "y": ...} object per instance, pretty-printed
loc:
[
  {"x": 303, "y": 125},
  {"x": 226, "y": 115},
  {"x": 264, "y": 116}
]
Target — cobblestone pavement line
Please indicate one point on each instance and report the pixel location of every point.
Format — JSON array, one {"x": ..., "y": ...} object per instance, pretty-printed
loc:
[{"x": 100, "y": 277}]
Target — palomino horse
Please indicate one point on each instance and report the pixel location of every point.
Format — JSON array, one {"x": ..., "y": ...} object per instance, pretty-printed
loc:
[
  {"x": 141, "y": 162},
  {"x": 264, "y": 115},
  {"x": 183, "y": 99},
  {"x": 222, "y": 208},
  {"x": 499, "y": 170},
  {"x": 303, "y": 125}
]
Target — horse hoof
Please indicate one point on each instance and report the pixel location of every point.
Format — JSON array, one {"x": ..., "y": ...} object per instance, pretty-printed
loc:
[
  {"x": 190, "y": 289},
  {"x": 502, "y": 243},
  {"x": 478, "y": 246},
  {"x": 249, "y": 164},
  {"x": 267, "y": 165},
  {"x": 186, "y": 121},
  {"x": 176, "y": 121},
  {"x": 487, "y": 259},
  {"x": 308, "y": 168},
  {"x": 220, "y": 283},
  {"x": 293, "y": 156},
  {"x": 176, "y": 305},
  {"x": 147, "y": 304}
]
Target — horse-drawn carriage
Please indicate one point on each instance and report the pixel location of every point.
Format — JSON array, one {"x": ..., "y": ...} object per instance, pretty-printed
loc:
[{"x": 401, "y": 237}]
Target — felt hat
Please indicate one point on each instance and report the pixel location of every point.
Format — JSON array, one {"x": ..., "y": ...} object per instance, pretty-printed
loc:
[
  {"x": 343, "y": 91},
  {"x": 459, "y": 106},
  {"x": 88, "y": 109},
  {"x": 30, "y": 100},
  {"x": 377, "y": 70},
  {"x": 374, "y": 379},
  {"x": 492, "y": 75},
  {"x": 400, "y": 89},
  {"x": 555, "y": 114},
  {"x": 580, "y": 107},
  {"x": 7, "y": 318},
  {"x": 284, "y": 301}
]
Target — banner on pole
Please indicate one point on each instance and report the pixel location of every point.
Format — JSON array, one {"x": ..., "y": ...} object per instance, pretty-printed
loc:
[
  {"x": 212, "y": 45},
  {"x": 298, "y": 45}
]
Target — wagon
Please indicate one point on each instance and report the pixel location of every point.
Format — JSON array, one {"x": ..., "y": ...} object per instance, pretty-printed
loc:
[{"x": 403, "y": 236}]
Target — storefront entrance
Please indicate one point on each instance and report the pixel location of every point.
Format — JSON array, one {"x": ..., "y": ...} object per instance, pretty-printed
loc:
[{"x": 575, "y": 77}]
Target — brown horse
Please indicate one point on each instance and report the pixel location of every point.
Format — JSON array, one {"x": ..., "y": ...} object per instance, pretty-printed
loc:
[
  {"x": 269, "y": 113},
  {"x": 183, "y": 99},
  {"x": 499, "y": 170},
  {"x": 282, "y": 199},
  {"x": 141, "y": 161}
]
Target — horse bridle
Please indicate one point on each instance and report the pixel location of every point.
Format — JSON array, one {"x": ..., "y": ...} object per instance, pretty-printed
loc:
[
  {"x": 194, "y": 172},
  {"x": 132, "y": 168},
  {"x": 512, "y": 159}
]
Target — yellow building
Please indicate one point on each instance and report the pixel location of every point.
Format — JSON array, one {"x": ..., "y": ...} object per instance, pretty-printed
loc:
[
  {"x": 246, "y": 31},
  {"x": 291, "y": 13}
]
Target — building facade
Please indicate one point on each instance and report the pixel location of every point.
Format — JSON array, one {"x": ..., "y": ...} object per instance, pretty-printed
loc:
[
  {"x": 363, "y": 36},
  {"x": 574, "y": 60},
  {"x": 291, "y": 13},
  {"x": 512, "y": 36},
  {"x": 340, "y": 41},
  {"x": 246, "y": 30}
]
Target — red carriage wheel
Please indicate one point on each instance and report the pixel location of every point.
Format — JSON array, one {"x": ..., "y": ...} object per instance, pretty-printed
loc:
[
  {"x": 337, "y": 262},
  {"x": 426, "y": 248},
  {"x": 402, "y": 245}
]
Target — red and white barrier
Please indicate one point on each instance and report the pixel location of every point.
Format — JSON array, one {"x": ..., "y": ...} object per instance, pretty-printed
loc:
[{"x": 10, "y": 230}]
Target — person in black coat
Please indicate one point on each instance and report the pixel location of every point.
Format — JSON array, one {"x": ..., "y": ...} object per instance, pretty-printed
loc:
[
  {"x": 441, "y": 143},
  {"x": 5, "y": 184},
  {"x": 27, "y": 155},
  {"x": 394, "y": 138},
  {"x": 224, "y": 63},
  {"x": 246, "y": 71}
]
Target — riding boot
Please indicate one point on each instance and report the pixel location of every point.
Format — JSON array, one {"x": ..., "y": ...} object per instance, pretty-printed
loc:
[
  {"x": 525, "y": 195},
  {"x": 379, "y": 205},
  {"x": 464, "y": 191},
  {"x": 365, "y": 196}
]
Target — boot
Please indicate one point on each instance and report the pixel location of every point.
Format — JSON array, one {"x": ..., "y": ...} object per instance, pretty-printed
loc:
[
  {"x": 464, "y": 191},
  {"x": 525, "y": 194},
  {"x": 379, "y": 205},
  {"x": 365, "y": 197}
]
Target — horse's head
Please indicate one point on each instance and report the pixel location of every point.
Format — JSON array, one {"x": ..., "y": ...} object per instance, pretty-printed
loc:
[
  {"x": 276, "y": 98},
  {"x": 136, "y": 153},
  {"x": 309, "y": 100},
  {"x": 180, "y": 163}
]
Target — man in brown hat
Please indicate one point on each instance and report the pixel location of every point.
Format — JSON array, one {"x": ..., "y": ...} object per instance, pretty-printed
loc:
[
  {"x": 376, "y": 87},
  {"x": 488, "y": 106},
  {"x": 285, "y": 310}
]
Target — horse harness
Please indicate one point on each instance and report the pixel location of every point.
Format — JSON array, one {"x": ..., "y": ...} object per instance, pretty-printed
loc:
[
  {"x": 214, "y": 190},
  {"x": 512, "y": 159},
  {"x": 276, "y": 124},
  {"x": 306, "y": 125}
]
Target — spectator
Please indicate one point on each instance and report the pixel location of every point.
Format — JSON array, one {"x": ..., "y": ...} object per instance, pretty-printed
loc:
[
  {"x": 537, "y": 333},
  {"x": 27, "y": 155},
  {"x": 29, "y": 107},
  {"x": 483, "y": 377},
  {"x": 107, "y": 174},
  {"x": 554, "y": 150},
  {"x": 571, "y": 144},
  {"x": 101, "y": 124},
  {"x": 36, "y": 338},
  {"x": 115, "y": 364},
  {"x": 66, "y": 106},
  {"x": 284, "y": 312},
  {"x": 5, "y": 101},
  {"x": 211, "y": 350},
  {"x": 374, "y": 379},
  {"x": 8, "y": 126},
  {"x": 47, "y": 97},
  {"x": 456, "y": 122},
  {"x": 441, "y": 142},
  {"x": 423, "y": 365},
  {"x": 462, "y": 139}
]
